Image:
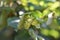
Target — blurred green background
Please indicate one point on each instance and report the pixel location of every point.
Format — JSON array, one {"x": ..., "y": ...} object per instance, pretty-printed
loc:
[{"x": 35, "y": 14}]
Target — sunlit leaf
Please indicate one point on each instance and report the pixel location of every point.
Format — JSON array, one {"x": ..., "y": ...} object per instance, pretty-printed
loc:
[
  {"x": 54, "y": 5},
  {"x": 26, "y": 8},
  {"x": 37, "y": 14},
  {"x": 45, "y": 32},
  {"x": 31, "y": 8},
  {"x": 49, "y": 4},
  {"x": 25, "y": 22},
  {"x": 57, "y": 11},
  {"x": 34, "y": 2},
  {"x": 54, "y": 33},
  {"x": 46, "y": 12},
  {"x": 41, "y": 3},
  {"x": 24, "y": 2}
]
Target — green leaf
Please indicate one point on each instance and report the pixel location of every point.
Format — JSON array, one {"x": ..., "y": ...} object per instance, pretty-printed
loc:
[
  {"x": 46, "y": 12},
  {"x": 54, "y": 6},
  {"x": 57, "y": 11},
  {"x": 45, "y": 32},
  {"x": 24, "y": 3},
  {"x": 31, "y": 8},
  {"x": 34, "y": 2},
  {"x": 37, "y": 14},
  {"x": 54, "y": 33}
]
